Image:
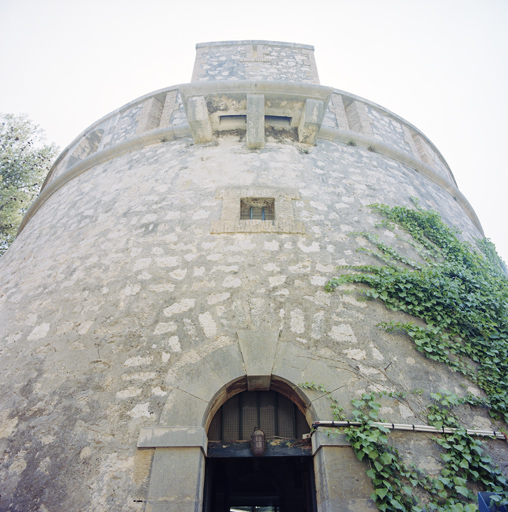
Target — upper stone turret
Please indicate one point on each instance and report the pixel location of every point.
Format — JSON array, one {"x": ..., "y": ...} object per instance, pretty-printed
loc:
[{"x": 255, "y": 60}]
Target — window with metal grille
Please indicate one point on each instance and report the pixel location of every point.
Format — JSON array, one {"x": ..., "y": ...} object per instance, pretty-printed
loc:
[
  {"x": 275, "y": 414},
  {"x": 257, "y": 208}
]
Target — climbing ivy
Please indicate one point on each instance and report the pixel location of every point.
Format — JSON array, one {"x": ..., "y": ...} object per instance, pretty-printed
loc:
[
  {"x": 459, "y": 291},
  {"x": 403, "y": 487}
]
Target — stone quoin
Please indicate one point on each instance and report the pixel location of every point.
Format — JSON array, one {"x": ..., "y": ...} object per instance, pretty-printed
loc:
[{"x": 165, "y": 296}]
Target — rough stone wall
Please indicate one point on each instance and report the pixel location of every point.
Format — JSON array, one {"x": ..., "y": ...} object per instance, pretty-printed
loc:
[
  {"x": 255, "y": 60},
  {"x": 135, "y": 279},
  {"x": 387, "y": 129},
  {"x": 117, "y": 282}
]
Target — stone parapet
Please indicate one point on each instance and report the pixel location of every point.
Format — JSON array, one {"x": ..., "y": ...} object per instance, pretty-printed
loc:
[
  {"x": 255, "y": 60},
  {"x": 226, "y": 103}
]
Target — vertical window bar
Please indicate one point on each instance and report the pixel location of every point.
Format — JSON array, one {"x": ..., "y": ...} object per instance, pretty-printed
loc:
[
  {"x": 222, "y": 423},
  {"x": 294, "y": 420},
  {"x": 251, "y": 213},
  {"x": 263, "y": 213},
  {"x": 240, "y": 415},
  {"x": 276, "y": 413},
  {"x": 258, "y": 397}
]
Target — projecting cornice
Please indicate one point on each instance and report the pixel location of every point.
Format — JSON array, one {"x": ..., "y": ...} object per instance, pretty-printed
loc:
[
  {"x": 214, "y": 107},
  {"x": 206, "y": 110}
]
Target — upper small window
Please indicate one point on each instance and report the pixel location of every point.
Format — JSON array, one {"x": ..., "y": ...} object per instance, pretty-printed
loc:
[
  {"x": 257, "y": 208},
  {"x": 251, "y": 209}
]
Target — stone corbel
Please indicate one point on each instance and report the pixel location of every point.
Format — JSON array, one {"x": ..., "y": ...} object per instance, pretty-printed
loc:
[
  {"x": 199, "y": 120},
  {"x": 310, "y": 121},
  {"x": 213, "y": 107},
  {"x": 255, "y": 121}
]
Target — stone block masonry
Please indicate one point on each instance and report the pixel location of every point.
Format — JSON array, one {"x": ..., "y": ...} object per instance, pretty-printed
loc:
[
  {"x": 255, "y": 60},
  {"x": 135, "y": 301}
]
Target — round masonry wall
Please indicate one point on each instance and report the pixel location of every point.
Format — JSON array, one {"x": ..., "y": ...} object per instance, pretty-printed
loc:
[
  {"x": 117, "y": 284},
  {"x": 135, "y": 301}
]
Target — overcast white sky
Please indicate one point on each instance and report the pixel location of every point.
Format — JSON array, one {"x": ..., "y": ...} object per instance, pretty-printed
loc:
[{"x": 440, "y": 64}]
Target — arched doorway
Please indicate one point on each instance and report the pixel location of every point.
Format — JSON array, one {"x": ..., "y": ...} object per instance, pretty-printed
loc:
[
  {"x": 181, "y": 444},
  {"x": 281, "y": 480}
]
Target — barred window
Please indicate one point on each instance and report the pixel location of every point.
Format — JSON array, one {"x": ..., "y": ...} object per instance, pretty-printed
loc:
[
  {"x": 257, "y": 208},
  {"x": 275, "y": 414}
]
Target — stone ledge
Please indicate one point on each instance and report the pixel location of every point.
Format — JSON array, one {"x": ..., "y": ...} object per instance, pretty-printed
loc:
[
  {"x": 255, "y": 41},
  {"x": 256, "y": 226},
  {"x": 256, "y": 191},
  {"x": 321, "y": 439},
  {"x": 173, "y": 437}
]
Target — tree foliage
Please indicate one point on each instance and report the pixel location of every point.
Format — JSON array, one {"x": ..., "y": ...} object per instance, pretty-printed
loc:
[{"x": 25, "y": 159}]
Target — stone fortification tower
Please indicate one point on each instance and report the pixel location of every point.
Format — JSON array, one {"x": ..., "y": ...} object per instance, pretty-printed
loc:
[{"x": 165, "y": 295}]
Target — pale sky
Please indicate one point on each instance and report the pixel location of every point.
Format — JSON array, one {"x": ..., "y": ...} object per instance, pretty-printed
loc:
[{"x": 440, "y": 64}]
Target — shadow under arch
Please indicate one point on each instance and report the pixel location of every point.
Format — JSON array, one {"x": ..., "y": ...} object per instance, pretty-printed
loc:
[{"x": 278, "y": 384}]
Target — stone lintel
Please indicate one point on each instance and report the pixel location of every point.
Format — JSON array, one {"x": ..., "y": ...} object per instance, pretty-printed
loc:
[
  {"x": 252, "y": 226},
  {"x": 199, "y": 120},
  {"x": 258, "y": 352},
  {"x": 173, "y": 437},
  {"x": 255, "y": 121},
  {"x": 310, "y": 121}
]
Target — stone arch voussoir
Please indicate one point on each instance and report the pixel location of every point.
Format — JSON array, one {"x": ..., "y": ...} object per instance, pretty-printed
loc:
[{"x": 258, "y": 361}]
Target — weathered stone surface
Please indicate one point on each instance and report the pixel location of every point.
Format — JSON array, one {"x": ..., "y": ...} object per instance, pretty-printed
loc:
[
  {"x": 182, "y": 408},
  {"x": 255, "y": 121},
  {"x": 122, "y": 302},
  {"x": 173, "y": 437},
  {"x": 258, "y": 352},
  {"x": 310, "y": 122},
  {"x": 255, "y": 60},
  {"x": 177, "y": 481},
  {"x": 197, "y": 114},
  {"x": 342, "y": 483}
]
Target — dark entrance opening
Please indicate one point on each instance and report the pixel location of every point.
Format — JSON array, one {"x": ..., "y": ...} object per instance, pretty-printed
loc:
[
  {"x": 282, "y": 480},
  {"x": 262, "y": 484}
]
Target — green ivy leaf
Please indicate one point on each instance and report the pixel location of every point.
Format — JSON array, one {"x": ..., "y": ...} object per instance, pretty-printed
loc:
[
  {"x": 386, "y": 458},
  {"x": 462, "y": 490}
]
